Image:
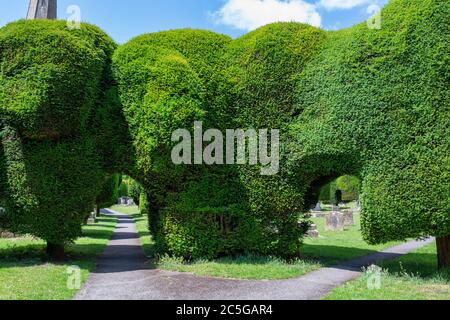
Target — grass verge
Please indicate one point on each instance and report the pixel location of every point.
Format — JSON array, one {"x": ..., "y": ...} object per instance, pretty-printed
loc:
[
  {"x": 26, "y": 274},
  {"x": 411, "y": 277}
]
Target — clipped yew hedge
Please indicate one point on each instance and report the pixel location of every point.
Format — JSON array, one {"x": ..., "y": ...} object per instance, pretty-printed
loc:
[
  {"x": 364, "y": 102},
  {"x": 375, "y": 103},
  {"x": 52, "y": 80}
]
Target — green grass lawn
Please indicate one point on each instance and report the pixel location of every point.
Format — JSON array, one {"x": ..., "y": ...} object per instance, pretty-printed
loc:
[
  {"x": 26, "y": 274},
  {"x": 333, "y": 247},
  {"x": 411, "y": 277},
  {"x": 329, "y": 249}
]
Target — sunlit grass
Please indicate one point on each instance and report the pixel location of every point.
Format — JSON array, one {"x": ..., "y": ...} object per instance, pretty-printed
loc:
[
  {"x": 411, "y": 277},
  {"x": 26, "y": 274},
  {"x": 330, "y": 248}
]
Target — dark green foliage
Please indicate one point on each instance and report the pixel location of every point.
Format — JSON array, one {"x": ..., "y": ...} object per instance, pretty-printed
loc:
[
  {"x": 50, "y": 185},
  {"x": 350, "y": 187},
  {"x": 362, "y": 102},
  {"x": 50, "y": 76},
  {"x": 264, "y": 66},
  {"x": 110, "y": 192},
  {"x": 328, "y": 193},
  {"x": 338, "y": 197},
  {"x": 375, "y": 103},
  {"x": 52, "y": 80}
]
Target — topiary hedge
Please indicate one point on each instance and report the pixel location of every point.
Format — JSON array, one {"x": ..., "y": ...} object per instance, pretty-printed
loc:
[
  {"x": 52, "y": 80},
  {"x": 375, "y": 103},
  {"x": 342, "y": 101},
  {"x": 360, "y": 101},
  {"x": 109, "y": 192}
]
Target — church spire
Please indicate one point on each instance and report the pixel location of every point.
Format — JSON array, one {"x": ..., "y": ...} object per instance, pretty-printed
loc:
[{"x": 42, "y": 9}]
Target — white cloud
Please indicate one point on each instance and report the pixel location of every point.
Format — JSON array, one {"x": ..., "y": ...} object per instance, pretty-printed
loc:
[
  {"x": 342, "y": 4},
  {"x": 251, "y": 14}
]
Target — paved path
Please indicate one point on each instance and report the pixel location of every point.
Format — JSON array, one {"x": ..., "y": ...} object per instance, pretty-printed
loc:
[{"x": 124, "y": 274}]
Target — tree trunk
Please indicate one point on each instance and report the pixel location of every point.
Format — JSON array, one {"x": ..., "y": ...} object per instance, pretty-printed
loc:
[
  {"x": 55, "y": 251},
  {"x": 443, "y": 248},
  {"x": 97, "y": 212}
]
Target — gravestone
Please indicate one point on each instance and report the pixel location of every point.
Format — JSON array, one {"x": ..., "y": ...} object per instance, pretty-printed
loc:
[
  {"x": 318, "y": 207},
  {"x": 334, "y": 222},
  {"x": 6, "y": 234},
  {"x": 348, "y": 218},
  {"x": 313, "y": 232},
  {"x": 42, "y": 9},
  {"x": 91, "y": 219},
  {"x": 358, "y": 206}
]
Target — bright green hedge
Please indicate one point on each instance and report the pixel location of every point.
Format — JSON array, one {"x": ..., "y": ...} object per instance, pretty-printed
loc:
[
  {"x": 167, "y": 81},
  {"x": 364, "y": 102},
  {"x": 50, "y": 76},
  {"x": 109, "y": 193},
  {"x": 264, "y": 67},
  {"x": 52, "y": 80},
  {"x": 370, "y": 103},
  {"x": 375, "y": 103}
]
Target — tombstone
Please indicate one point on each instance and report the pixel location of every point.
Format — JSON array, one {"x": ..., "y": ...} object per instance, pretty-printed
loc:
[
  {"x": 358, "y": 206},
  {"x": 6, "y": 234},
  {"x": 317, "y": 214},
  {"x": 318, "y": 207},
  {"x": 91, "y": 219},
  {"x": 313, "y": 232},
  {"x": 348, "y": 218},
  {"x": 334, "y": 222}
]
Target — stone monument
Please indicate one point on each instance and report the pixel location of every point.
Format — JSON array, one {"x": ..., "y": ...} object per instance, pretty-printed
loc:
[
  {"x": 42, "y": 9},
  {"x": 348, "y": 218},
  {"x": 334, "y": 222},
  {"x": 313, "y": 232}
]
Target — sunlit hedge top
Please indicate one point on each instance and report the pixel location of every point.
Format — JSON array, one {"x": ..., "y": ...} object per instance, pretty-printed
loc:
[
  {"x": 50, "y": 76},
  {"x": 167, "y": 81}
]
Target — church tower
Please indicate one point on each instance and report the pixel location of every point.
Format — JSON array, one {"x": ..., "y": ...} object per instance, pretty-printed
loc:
[{"x": 42, "y": 9}]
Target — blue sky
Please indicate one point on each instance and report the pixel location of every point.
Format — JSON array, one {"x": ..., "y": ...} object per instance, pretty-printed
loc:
[{"x": 125, "y": 19}]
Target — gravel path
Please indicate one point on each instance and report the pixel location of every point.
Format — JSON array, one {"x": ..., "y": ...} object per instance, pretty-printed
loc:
[{"x": 124, "y": 274}]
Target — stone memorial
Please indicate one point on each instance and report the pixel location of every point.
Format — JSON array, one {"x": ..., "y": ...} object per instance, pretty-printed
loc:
[
  {"x": 313, "y": 232},
  {"x": 318, "y": 207},
  {"x": 6, "y": 234},
  {"x": 334, "y": 222},
  {"x": 348, "y": 218},
  {"x": 91, "y": 219}
]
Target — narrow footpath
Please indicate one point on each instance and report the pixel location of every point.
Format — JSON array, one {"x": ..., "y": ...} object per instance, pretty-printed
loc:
[{"x": 124, "y": 274}]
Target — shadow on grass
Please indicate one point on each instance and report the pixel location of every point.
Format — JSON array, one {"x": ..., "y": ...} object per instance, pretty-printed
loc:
[
  {"x": 421, "y": 265},
  {"x": 23, "y": 252},
  {"x": 17, "y": 253},
  {"x": 332, "y": 255}
]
